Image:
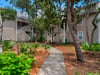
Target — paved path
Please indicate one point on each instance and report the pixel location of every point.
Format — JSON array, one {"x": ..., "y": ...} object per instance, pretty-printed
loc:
[{"x": 54, "y": 65}]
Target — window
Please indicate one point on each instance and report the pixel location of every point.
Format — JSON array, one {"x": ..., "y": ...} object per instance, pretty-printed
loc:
[{"x": 80, "y": 35}]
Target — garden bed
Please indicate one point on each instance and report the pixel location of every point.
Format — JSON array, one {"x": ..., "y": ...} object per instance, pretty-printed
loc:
[
  {"x": 91, "y": 61},
  {"x": 40, "y": 56}
]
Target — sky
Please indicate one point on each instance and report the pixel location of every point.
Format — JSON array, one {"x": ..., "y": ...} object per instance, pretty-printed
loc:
[{"x": 5, "y": 3}]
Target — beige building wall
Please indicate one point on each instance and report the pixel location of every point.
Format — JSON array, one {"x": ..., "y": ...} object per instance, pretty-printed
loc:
[
  {"x": 9, "y": 30},
  {"x": 82, "y": 28},
  {"x": 88, "y": 22}
]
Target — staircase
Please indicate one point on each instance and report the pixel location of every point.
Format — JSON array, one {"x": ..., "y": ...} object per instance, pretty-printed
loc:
[{"x": 22, "y": 35}]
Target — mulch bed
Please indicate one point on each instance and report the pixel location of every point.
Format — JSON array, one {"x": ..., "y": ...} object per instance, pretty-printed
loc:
[{"x": 91, "y": 61}]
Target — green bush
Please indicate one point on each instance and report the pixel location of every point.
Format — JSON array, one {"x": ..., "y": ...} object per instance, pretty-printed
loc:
[
  {"x": 35, "y": 45},
  {"x": 85, "y": 46},
  {"x": 93, "y": 74},
  {"x": 12, "y": 64},
  {"x": 91, "y": 47},
  {"x": 7, "y": 44},
  {"x": 25, "y": 47},
  {"x": 41, "y": 38},
  {"x": 47, "y": 47}
]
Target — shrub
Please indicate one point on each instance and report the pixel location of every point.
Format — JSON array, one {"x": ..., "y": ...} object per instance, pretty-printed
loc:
[
  {"x": 47, "y": 47},
  {"x": 12, "y": 64},
  {"x": 7, "y": 44},
  {"x": 23, "y": 48},
  {"x": 28, "y": 48},
  {"x": 41, "y": 38},
  {"x": 91, "y": 47},
  {"x": 35, "y": 46},
  {"x": 85, "y": 46},
  {"x": 93, "y": 74}
]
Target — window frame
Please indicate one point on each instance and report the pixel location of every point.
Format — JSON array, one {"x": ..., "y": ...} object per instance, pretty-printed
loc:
[{"x": 79, "y": 35}]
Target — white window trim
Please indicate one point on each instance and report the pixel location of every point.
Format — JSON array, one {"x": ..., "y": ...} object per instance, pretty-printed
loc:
[
  {"x": 82, "y": 22},
  {"x": 82, "y": 35}
]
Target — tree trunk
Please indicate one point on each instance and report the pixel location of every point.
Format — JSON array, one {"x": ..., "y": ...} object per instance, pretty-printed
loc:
[
  {"x": 36, "y": 39},
  {"x": 72, "y": 28},
  {"x": 32, "y": 35},
  {"x": 52, "y": 35},
  {"x": 95, "y": 26},
  {"x": 76, "y": 43},
  {"x": 86, "y": 26}
]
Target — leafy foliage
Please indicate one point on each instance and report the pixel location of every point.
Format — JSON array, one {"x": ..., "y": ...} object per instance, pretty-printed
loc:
[
  {"x": 41, "y": 38},
  {"x": 35, "y": 45},
  {"x": 8, "y": 14},
  {"x": 91, "y": 47},
  {"x": 31, "y": 48},
  {"x": 28, "y": 48},
  {"x": 12, "y": 64},
  {"x": 93, "y": 74},
  {"x": 8, "y": 44},
  {"x": 47, "y": 47}
]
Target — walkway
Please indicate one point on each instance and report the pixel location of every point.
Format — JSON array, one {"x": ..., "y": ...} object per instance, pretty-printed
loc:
[{"x": 54, "y": 65}]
